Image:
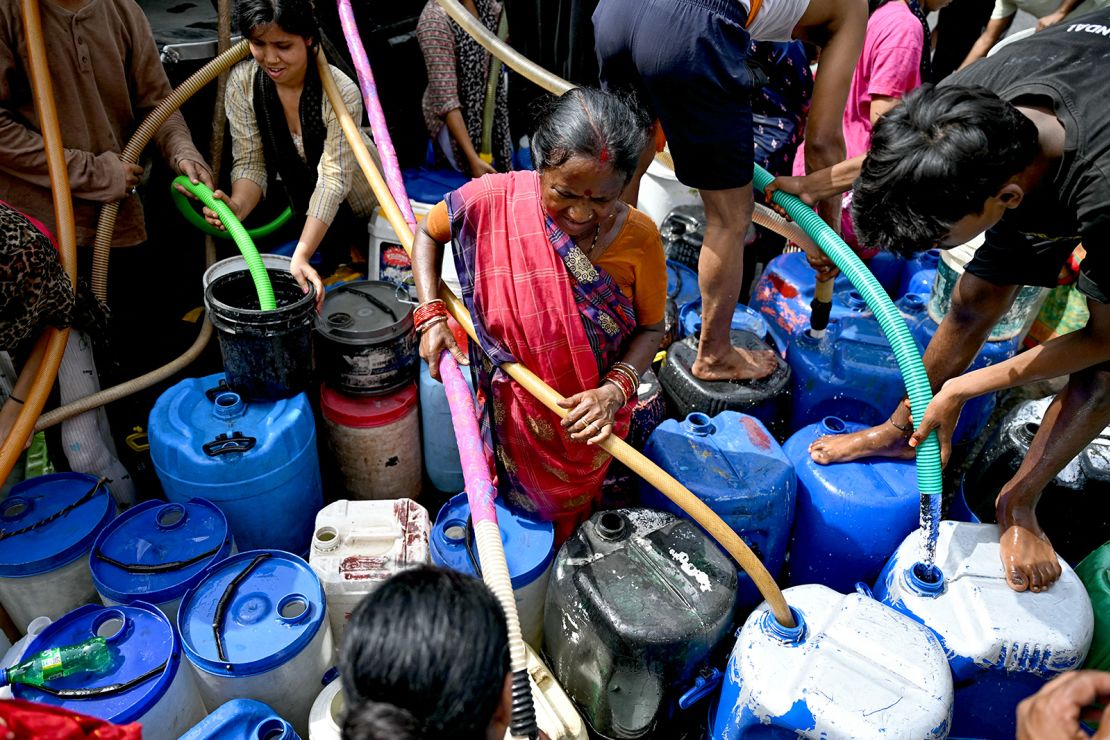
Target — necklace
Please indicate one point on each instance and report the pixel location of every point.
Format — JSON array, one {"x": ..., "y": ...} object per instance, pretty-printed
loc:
[{"x": 593, "y": 244}]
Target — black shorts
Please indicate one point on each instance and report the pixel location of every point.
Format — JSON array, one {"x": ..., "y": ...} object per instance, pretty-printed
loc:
[{"x": 687, "y": 62}]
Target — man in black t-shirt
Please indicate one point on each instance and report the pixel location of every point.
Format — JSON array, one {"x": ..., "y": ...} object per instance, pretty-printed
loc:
[{"x": 1016, "y": 145}]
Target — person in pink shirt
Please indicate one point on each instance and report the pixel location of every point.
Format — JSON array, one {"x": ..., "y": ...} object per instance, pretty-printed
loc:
[{"x": 894, "y": 60}]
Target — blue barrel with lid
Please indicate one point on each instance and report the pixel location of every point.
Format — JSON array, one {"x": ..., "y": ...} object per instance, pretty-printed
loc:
[
  {"x": 529, "y": 550},
  {"x": 242, "y": 719},
  {"x": 256, "y": 627},
  {"x": 47, "y": 527},
  {"x": 850, "y": 516},
  {"x": 155, "y": 552},
  {"x": 733, "y": 464},
  {"x": 256, "y": 460},
  {"x": 743, "y": 318},
  {"x": 146, "y": 681}
]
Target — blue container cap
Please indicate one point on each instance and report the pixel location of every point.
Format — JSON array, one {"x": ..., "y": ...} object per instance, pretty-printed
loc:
[
  {"x": 141, "y": 639},
  {"x": 274, "y": 609},
  {"x": 529, "y": 544},
  {"x": 48, "y": 521},
  {"x": 156, "y": 551}
]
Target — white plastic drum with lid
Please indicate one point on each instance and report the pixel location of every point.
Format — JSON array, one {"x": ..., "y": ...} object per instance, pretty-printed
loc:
[
  {"x": 660, "y": 192},
  {"x": 257, "y": 628},
  {"x": 158, "y": 690},
  {"x": 326, "y": 720},
  {"x": 47, "y": 527},
  {"x": 155, "y": 552},
  {"x": 376, "y": 441},
  {"x": 359, "y": 544}
]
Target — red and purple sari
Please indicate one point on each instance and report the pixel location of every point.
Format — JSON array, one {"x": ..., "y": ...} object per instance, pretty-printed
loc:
[{"x": 536, "y": 299}]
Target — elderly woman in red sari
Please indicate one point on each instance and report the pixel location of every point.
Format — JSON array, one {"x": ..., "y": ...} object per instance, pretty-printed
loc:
[{"x": 564, "y": 278}]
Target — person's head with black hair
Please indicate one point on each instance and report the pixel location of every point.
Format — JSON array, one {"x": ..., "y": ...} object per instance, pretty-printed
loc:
[
  {"x": 941, "y": 169},
  {"x": 586, "y": 147},
  {"x": 281, "y": 34},
  {"x": 426, "y": 655}
]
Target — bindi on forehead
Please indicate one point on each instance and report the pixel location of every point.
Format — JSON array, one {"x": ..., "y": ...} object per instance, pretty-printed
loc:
[{"x": 589, "y": 193}]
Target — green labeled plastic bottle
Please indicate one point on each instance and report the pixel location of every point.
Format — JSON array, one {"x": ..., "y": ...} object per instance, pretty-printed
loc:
[{"x": 90, "y": 656}]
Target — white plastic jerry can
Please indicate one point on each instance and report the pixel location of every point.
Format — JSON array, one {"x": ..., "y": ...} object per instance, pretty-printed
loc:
[
  {"x": 359, "y": 544},
  {"x": 850, "y": 668},
  {"x": 1002, "y": 645}
]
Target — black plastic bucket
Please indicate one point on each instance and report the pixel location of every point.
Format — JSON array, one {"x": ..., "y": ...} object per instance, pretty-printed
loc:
[
  {"x": 366, "y": 344},
  {"x": 267, "y": 354}
]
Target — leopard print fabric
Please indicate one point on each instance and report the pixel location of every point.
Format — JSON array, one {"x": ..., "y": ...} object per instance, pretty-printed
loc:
[{"x": 34, "y": 289}]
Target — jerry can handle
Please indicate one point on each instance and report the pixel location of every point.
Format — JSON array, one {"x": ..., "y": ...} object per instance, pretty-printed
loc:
[
  {"x": 137, "y": 440},
  {"x": 223, "y": 444},
  {"x": 706, "y": 683},
  {"x": 221, "y": 387}
]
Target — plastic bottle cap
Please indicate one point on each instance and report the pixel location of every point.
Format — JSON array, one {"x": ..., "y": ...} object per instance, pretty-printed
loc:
[{"x": 366, "y": 412}]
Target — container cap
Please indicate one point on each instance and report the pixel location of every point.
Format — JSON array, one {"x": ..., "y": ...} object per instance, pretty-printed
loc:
[
  {"x": 273, "y": 612},
  {"x": 156, "y": 552},
  {"x": 50, "y": 520},
  {"x": 141, "y": 640},
  {"x": 529, "y": 544},
  {"x": 364, "y": 412},
  {"x": 365, "y": 312}
]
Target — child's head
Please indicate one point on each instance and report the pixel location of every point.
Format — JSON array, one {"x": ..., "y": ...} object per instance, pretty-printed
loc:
[
  {"x": 426, "y": 655},
  {"x": 940, "y": 168}
]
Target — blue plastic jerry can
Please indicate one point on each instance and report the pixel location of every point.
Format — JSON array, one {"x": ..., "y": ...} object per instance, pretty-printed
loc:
[
  {"x": 242, "y": 719},
  {"x": 733, "y": 464},
  {"x": 850, "y": 516},
  {"x": 784, "y": 292}
]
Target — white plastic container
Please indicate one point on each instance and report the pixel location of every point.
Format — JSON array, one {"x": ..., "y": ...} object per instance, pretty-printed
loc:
[
  {"x": 275, "y": 633},
  {"x": 1002, "y": 645},
  {"x": 144, "y": 640},
  {"x": 155, "y": 552},
  {"x": 359, "y": 544},
  {"x": 14, "y": 653},
  {"x": 376, "y": 441},
  {"x": 660, "y": 192},
  {"x": 555, "y": 712},
  {"x": 385, "y": 253},
  {"x": 325, "y": 722},
  {"x": 853, "y": 668},
  {"x": 50, "y": 523}
]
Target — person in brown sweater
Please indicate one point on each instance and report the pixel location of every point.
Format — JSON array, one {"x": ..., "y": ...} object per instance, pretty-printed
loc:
[{"x": 107, "y": 77}]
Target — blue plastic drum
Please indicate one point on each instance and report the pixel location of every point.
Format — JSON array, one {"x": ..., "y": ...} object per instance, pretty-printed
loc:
[{"x": 155, "y": 552}]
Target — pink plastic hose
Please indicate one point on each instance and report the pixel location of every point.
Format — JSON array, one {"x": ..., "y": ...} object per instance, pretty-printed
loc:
[{"x": 374, "y": 112}]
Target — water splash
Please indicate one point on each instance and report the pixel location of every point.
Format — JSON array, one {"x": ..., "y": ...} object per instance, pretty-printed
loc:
[{"x": 930, "y": 527}]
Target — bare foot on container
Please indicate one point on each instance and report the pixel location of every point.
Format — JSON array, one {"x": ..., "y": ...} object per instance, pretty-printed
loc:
[
  {"x": 739, "y": 364},
  {"x": 1028, "y": 558},
  {"x": 884, "y": 440}
]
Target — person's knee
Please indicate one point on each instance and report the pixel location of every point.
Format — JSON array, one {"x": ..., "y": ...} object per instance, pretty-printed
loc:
[{"x": 729, "y": 211}]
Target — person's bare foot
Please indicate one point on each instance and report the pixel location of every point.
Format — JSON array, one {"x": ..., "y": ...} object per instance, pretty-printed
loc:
[
  {"x": 740, "y": 364},
  {"x": 884, "y": 440},
  {"x": 1029, "y": 561}
]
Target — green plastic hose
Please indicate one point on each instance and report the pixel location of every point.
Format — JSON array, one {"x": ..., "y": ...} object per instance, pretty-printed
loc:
[
  {"x": 185, "y": 206},
  {"x": 242, "y": 240},
  {"x": 929, "y": 481}
]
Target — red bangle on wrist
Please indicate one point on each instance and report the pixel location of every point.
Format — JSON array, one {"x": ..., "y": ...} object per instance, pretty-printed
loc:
[{"x": 429, "y": 313}]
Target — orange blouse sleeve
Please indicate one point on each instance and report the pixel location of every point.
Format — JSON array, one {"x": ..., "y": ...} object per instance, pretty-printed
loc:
[{"x": 438, "y": 224}]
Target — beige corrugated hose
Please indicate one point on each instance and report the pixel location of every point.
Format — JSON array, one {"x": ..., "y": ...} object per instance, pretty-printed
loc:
[
  {"x": 52, "y": 344},
  {"x": 616, "y": 447}
]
